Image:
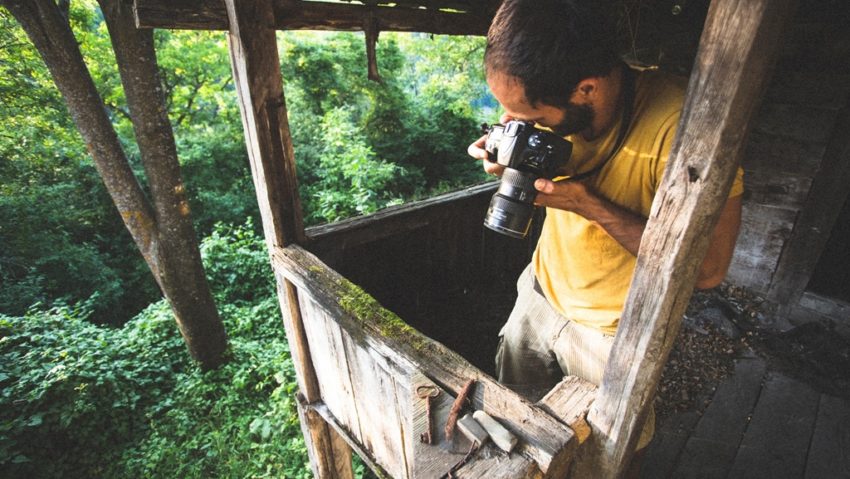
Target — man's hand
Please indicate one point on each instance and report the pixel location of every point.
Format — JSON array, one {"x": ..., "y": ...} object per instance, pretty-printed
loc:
[
  {"x": 563, "y": 195},
  {"x": 621, "y": 224},
  {"x": 477, "y": 151}
]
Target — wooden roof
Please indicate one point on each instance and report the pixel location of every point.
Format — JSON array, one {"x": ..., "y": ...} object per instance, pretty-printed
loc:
[{"x": 453, "y": 17}]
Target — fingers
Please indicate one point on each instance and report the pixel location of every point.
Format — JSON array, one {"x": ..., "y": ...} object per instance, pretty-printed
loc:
[
  {"x": 544, "y": 186},
  {"x": 476, "y": 149},
  {"x": 492, "y": 168}
]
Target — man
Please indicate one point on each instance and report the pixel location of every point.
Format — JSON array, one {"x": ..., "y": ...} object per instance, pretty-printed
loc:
[{"x": 553, "y": 62}]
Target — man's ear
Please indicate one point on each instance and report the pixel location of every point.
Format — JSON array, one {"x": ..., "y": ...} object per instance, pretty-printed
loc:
[{"x": 587, "y": 88}]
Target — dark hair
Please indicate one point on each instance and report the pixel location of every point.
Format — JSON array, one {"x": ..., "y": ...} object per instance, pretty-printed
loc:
[{"x": 551, "y": 45}]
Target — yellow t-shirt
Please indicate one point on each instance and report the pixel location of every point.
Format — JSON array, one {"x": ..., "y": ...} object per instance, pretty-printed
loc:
[{"x": 585, "y": 273}]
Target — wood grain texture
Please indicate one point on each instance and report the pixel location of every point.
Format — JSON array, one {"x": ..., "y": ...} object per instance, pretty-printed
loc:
[
  {"x": 370, "y": 327},
  {"x": 259, "y": 86},
  {"x": 335, "y": 461},
  {"x": 737, "y": 51},
  {"x": 569, "y": 401},
  {"x": 212, "y": 15}
]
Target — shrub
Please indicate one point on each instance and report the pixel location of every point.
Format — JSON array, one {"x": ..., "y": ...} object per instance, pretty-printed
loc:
[{"x": 82, "y": 400}]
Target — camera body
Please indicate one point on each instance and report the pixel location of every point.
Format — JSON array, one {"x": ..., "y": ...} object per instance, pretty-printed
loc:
[{"x": 527, "y": 154}]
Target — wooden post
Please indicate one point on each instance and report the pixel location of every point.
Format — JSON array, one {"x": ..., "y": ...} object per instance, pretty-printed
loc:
[
  {"x": 737, "y": 51},
  {"x": 259, "y": 86}
]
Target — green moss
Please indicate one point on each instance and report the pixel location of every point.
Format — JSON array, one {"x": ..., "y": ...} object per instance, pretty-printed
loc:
[{"x": 363, "y": 306}]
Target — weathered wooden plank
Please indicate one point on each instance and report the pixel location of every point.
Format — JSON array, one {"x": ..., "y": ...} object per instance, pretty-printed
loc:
[
  {"x": 778, "y": 189},
  {"x": 336, "y": 460},
  {"x": 432, "y": 461},
  {"x": 383, "y": 394},
  {"x": 569, "y": 401},
  {"x": 711, "y": 449},
  {"x": 787, "y": 155},
  {"x": 500, "y": 466},
  {"x": 705, "y": 459},
  {"x": 212, "y": 15},
  {"x": 726, "y": 417},
  {"x": 829, "y": 191},
  {"x": 545, "y": 440},
  {"x": 737, "y": 51},
  {"x": 330, "y": 362},
  {"x": 435, "y": 460},
  {"x": 804, "y": 123},
  {"x": 777, "y": 439},
  {"x": 322, "y": 410},
  {"x": 764, "y": 231},
  {"x": 395, "y": 220},
  {"x": 663, "y": 452},
  {"x": 259, "y": 87},
  {"x": 829, "y": 453}
]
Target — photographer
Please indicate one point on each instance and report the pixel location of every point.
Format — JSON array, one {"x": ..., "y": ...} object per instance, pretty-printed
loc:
[{"x": 554, "y": 63}]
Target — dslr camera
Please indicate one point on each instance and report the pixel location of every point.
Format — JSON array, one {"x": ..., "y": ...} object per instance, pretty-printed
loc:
[{"x": 527, "y": 154}]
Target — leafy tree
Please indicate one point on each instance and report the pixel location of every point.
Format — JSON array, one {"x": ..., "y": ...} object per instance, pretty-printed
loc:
[{"x": 161, "y": 227}]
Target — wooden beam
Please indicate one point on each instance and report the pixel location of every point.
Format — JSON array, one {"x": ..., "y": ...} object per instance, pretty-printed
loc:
[
  {"x": 259, "y": 87},
  {"x": 817, "y": 219},
  {"x": 737, "y": 51},
  {"x": 395, "y": 220},
  {"x": 212, "y": 15}
]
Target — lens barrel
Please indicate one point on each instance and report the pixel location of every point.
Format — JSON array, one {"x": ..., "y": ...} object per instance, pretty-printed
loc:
[{"x": 512, "y": 207}]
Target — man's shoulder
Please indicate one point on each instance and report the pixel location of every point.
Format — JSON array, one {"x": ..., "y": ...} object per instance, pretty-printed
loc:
[{"x": 659, "y": 96}]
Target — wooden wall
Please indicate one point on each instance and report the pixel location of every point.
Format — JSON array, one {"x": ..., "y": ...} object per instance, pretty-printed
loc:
[
  {"x": 434, "y": 264},
  {"x": 788, "y": 147}
]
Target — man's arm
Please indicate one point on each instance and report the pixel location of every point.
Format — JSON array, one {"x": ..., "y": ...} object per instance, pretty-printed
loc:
[{"x": 627, "y": 227}]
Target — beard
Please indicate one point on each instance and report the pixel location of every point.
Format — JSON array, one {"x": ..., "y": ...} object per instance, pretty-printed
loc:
[{"x": 577, "y": 118}]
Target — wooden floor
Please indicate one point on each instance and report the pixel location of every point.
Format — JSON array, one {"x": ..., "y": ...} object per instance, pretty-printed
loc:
[{"x": 759, "y": 424}]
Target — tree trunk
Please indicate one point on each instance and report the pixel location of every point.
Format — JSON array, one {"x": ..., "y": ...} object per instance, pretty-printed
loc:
[
  {"x": 163, "y": 231},
  {"x": 181, "y": 273}
]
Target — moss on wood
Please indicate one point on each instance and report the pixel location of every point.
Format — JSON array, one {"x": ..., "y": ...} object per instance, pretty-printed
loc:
[{"x": 362, "y": 306}]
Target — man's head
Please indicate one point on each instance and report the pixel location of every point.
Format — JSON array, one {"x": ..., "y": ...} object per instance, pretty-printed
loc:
[{"x": 542, "y": 57}]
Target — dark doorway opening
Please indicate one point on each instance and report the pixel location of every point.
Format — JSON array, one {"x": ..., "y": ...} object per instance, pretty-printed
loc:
[{"x": 832, "y": 273}]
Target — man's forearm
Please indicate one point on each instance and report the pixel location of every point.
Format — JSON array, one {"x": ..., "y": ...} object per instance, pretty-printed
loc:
[{"x": 625, "y": 226}]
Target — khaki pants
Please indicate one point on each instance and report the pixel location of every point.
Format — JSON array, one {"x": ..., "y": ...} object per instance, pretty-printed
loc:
[{"x": 538, "y": 347}]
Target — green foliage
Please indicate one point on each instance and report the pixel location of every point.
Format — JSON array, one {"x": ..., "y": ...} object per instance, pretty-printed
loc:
[
  {"x": 80, "y": 400},
  {"x": 70, "y": 388},
  {"x": 237, "y": 265},
  {"x": 408, "y": 133},
  {"x": 360, "y": 146}
]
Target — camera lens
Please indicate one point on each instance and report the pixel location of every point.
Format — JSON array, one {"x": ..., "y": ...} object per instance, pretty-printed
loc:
[{"x": 512, "y": 207}]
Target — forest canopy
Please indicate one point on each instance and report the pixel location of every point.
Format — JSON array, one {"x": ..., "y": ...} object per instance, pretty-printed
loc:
[{"x": 359, "y": 146}]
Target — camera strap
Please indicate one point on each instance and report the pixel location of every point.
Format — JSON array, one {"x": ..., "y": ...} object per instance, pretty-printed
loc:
[{"x": 628, "y": 97}]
